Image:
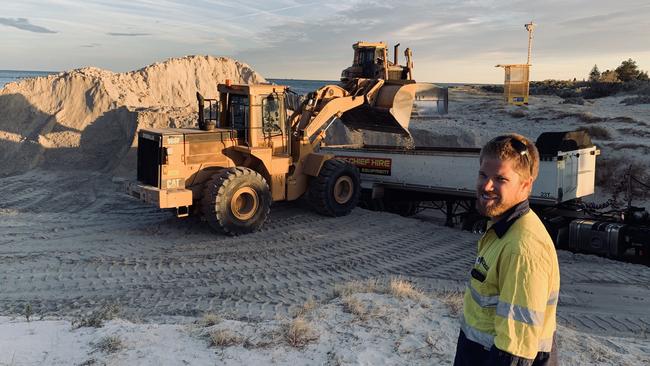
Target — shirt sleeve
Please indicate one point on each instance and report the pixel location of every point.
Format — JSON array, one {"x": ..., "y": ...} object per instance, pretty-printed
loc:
[{"x": 524, "y": 288}]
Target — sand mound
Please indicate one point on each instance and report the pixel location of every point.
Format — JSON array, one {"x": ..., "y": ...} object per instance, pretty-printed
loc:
[{"x": 88, "y": 118}]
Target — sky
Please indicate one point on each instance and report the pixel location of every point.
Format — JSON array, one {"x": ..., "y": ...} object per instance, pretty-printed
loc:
[{"x": 452, "y": 41}]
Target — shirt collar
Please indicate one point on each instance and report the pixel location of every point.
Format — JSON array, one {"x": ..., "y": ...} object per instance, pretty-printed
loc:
[{"x": 509, "y": 218}]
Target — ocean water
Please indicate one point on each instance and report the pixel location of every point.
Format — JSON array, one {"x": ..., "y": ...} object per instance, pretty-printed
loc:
[
  {"x": 299, "y": 86},
  {"x": 302, "y": 86},
  {"x": 8, "y": 76}
]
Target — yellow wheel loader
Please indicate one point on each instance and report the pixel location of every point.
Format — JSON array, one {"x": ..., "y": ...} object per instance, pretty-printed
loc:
[{"x": 256, "y": 145}]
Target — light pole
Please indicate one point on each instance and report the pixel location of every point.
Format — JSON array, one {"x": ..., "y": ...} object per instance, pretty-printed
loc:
[{"x": 530, "y": 27}]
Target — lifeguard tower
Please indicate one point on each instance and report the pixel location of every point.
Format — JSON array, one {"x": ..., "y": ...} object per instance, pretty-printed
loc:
[{"x": 517, "y": 76}]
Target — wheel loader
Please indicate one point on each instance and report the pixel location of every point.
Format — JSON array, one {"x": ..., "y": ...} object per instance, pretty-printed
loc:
[{"x": 256, "y": 144}]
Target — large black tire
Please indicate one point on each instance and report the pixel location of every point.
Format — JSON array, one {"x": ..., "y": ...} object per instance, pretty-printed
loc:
[
  {"x": 336, "y": 190},
  {"x": 236, "y": 201},
  {"x": 367, "y": 202},
  {"x": 474, "y": 222}
]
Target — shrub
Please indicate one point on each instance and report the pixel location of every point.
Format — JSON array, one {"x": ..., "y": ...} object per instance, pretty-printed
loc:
[
  {"x": 453, "y": 300},
  {"x": 224, "y": 338},
  {"x": 96, "y": 318},
  {"x": 561, "y": 88},
  {"x": 642, "y": 99},
  {"x": 601, "y": 89},
  {"x": 306, "y": 308},
  {"x": 589, "y": 118},
  {"x": 353, "y": 287},
  {"x": 640, "y": 87},
  {"x": 573, "y": 100},
  {"x": 492, "y": 88},
  {"x": 354, "y": 306},
  {"x": 404, "y": 289},
  {"x": 597, "y": 132},
  {"x": 517, "y": 113},
  {"x": 299, "y": 333},
  {"x": 109, "y": 344},
  {"x": 210, "y": 319},
  {"x": 643, "y": 88}
]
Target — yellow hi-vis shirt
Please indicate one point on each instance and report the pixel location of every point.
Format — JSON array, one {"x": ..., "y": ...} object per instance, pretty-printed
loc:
[{"x": 514, "y": 305}]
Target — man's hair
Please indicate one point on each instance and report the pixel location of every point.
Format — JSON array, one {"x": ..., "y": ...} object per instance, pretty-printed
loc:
[{"x": 517, "y": 148}]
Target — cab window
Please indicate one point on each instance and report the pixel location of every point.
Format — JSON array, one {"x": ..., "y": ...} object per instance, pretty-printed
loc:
[
  {"x": 271, "y": 116},
  {"x": 238, "y": 111}
]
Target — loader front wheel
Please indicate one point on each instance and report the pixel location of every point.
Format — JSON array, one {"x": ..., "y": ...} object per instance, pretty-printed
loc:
[
  {"x": 336, "y": 189},
  {"x": 236, "y": 201}
]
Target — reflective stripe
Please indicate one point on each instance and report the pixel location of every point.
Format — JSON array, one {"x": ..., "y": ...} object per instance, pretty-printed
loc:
[
  {"x": 483, "y": 301},
  {"x": 484, "y": 339},
  {"x": 520, "y": 314},
  {"x": 487, "y": 340},
  {"x": 553, "y": 298}
]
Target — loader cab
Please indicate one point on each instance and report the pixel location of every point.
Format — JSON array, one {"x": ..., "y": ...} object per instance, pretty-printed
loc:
[
  {"x": 369, "y": 61},
  {"x": 257, "y": 113}
]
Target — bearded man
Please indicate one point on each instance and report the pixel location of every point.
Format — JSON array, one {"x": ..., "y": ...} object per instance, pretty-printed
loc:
[{"x": 512, "y": 294}]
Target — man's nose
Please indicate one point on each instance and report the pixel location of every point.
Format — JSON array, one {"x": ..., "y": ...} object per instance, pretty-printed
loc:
[{"x": 488, "y": 185}]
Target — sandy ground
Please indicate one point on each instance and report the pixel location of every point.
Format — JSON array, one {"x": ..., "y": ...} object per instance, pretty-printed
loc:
[
  {"x": 365, "y": 326},
  {"x": 68, "y": 254},
  {"x": 72, "y": 243}
]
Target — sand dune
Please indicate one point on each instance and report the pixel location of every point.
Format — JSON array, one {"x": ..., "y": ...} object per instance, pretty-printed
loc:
[{"x": 87, "y": 118}]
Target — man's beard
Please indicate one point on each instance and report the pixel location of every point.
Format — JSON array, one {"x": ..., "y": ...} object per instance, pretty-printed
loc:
[{"x": 492, "y": 208}]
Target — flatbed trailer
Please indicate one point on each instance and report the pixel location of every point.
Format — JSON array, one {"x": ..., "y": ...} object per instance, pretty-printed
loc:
[{"x": 403, "y": 181}]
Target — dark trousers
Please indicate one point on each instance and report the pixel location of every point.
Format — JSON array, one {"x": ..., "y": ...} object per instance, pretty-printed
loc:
[{"x": 469, "y": 353}]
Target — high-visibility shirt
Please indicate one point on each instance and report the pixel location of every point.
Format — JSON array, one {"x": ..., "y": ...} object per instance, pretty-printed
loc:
[{"x": 512, "y": 294}]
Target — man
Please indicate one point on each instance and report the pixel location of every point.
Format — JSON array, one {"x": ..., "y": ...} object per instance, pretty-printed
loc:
[{"x": 511, "y": 298}]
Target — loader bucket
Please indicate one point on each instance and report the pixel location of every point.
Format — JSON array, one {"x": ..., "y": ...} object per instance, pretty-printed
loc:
[
  {"x": 430, "y": 101},
  {"x": 389, "y": 112},
  {"x": 392, "y": 110}
]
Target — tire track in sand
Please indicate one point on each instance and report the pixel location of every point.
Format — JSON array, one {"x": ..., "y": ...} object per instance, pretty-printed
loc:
[{"x": 113, "y": 249}]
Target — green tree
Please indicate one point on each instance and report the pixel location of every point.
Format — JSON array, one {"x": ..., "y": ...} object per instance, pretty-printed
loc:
[
  {"x": 609, "y": 76},
  {"x": 628, "y": 70},
  {"x": 594, "y": 74}
]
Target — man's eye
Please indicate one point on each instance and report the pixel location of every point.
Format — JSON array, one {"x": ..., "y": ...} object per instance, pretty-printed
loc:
[
  {"x": 502, "y": 179},
  {"x": 482, "y": 175}
]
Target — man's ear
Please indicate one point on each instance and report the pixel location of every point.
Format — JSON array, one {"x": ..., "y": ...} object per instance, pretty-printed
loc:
[{"x": 527, "y": 185}]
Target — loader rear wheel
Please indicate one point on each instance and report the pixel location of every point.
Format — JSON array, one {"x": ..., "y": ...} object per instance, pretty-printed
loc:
[
  {"x": 336, "y": 189},
  {"x": 236, "y": 201}
]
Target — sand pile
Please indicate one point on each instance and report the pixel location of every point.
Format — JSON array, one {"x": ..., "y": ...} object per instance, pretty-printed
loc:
[{"x": 88, "y": 118}]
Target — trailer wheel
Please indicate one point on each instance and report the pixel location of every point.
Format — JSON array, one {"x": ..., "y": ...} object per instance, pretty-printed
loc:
[
  {"x": 367, "y": 202},
  {"x": 474, "y": 222},
  {"x": 236, "y": 201},
  {"x": 335, "y": 192}
]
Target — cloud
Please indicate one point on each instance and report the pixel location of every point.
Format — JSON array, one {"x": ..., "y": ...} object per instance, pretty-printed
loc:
[
  {"x": 448, "y": 32},
  {"x": 24, "y": 24},
  {"x": 91, "y": 45},
  {"x": 119, "y": 34}
]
